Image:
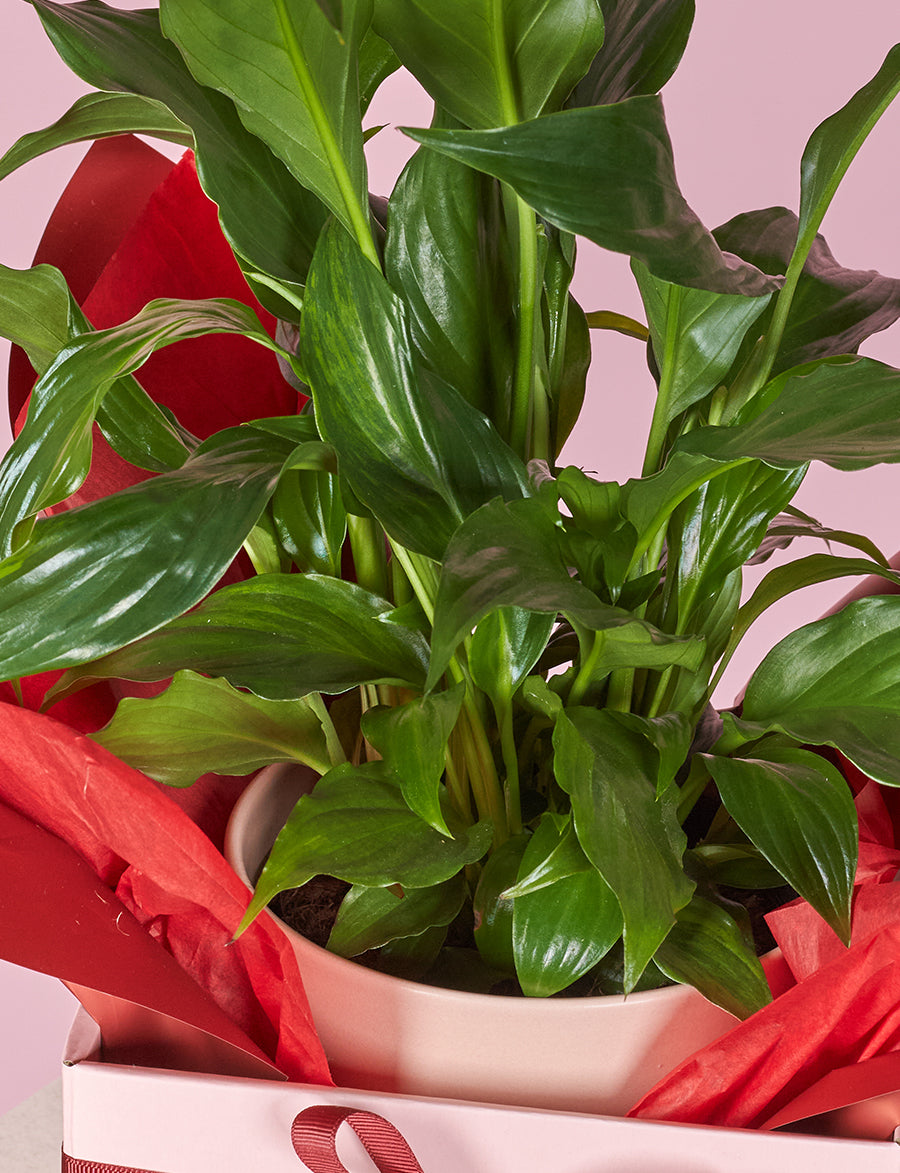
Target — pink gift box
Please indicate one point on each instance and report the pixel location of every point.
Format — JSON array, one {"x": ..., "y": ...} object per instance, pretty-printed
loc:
[{"x": 122, "y": 1119}]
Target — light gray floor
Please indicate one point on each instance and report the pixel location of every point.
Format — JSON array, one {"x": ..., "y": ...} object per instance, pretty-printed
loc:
[{"x": 31, "y": 1133}]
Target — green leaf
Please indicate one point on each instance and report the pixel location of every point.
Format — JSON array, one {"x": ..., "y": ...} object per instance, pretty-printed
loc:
[
  {"x": 837, "y": 682},
  {"x": 444, "y": 254},
  {"x": 355, "y": 825},
  {"x": 377, "y": 61},
  {"x": 38, "y": 313},
  {"x": 99, "y": 116},
  {"x": 707, "y": 950},
  {"x": 643, "y": 44},
  {"x": 280, "y": 635},
  {"x": 122, "y": 566},
  {"x": 791, "y": 524},
  {"x": 669, "y": 734},
  {"x": 66, "y": 398},
  {"x": 310, "y": 520},
  {"x": 269, "y": 218},
  {"x": 334, "y": 10},
  {"x": 606, "y": 172},
  {"x": 631, "y": 836},
  {"x": 797, "y": 808},
  {"x": 695, "y": 336},
  {"x": 294, "y": 84},
  {"x": 413, "y": 450},
  {"x": 834, "y": 143},
  {"x": 563, "y": 859},
  {"x": 492, "y": 909},
  {"x": 563, "y": 929},
  {"x": 488, "y": 63},
  {"x": 412, "y": 739},
  {"x": 199, "y": 726},
  {"x": 843, "y": 411},
  {"x": 371, "y": 917},
  {"x": 505, "y": 646},
  {"x": 509, "y": 555},
  {"x": 794, "y": 576},
  {"x": 833, "y": 309}
]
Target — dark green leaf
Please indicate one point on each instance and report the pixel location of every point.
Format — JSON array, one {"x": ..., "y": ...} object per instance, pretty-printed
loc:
[
  {"x": 791, "y": 524},
  {"x": 377, "y": 61},
  {"x": 490, "y": 64},
  {"x": 333, "y": 9},
  {"x": 695, "y": 335},
  {"x": 707, "y": 950},
  {"x": 843, "y": 411},
  {"x": 294, "y": 84},
  {"x": 355, "y": 825},
  {"x": 834, "y": 143},
  {"x": 99, "y": 116},
  {"x": 412, "y": 739},
  {"x": 837, "y": 682},
  {"x": 125, "y": 565},
  {"x": 563, "y": 929},
  {"x": 413, "y": 450},
  {"x": 833, "y": 309},
  {"x": 564, "y": 858},
  {"x": 630, "y": 835},
  {"x": 66, "y": 398},
  {"x": 509, "y": 555},
  {"x": 198, "y": 726},
  {"x": 370, "y": 917},
  {"x": 506, "y": 645},
  {"x": 493, "y": 910},
  {"x": 282, "y": 636},
  {"x": 267, "y": 216},
  {"x": 310, "y": 520},
  {"x": 797, "y": 808},
  {"x": 444, "y": 255},
  {"x": 606, "y": 172},
  {"x": 643, "y": 44}
]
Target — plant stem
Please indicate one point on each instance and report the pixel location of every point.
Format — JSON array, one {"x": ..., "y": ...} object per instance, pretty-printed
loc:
[
  {"x": 653, "y": 456},
  {"x": 369, "y": 554},
  {"x": 522, "y": 422},
  {"x": 589, "y": 662},
  {"x": 511, "y": 762}
]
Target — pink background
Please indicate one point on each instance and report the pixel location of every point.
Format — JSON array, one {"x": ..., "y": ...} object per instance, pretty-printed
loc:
[{"x": 757, "y": 77}]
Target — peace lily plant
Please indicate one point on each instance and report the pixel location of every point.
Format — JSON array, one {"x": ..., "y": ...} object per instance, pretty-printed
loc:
[{"x": 500, "y": 667}]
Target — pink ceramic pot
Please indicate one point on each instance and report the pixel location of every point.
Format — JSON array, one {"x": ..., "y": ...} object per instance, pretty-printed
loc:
[{"x": 596, "y": 1055}]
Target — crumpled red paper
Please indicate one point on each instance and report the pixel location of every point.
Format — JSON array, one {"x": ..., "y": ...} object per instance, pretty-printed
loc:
[{"x": 843, "y": 1008}]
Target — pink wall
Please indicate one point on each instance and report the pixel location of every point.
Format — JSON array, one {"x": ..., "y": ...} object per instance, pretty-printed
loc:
[{"x": 757, "y": 78}]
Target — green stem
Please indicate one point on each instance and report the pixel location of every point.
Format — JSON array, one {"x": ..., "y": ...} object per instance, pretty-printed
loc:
[
  {"x": 369, "y": 554},
  {"x": 589, "y": 662},
  {"x": 332, "y": 741},
  {"x": 511, "y": 762},
  {"x": 659, "y": 426},
  {"x": 357, "y": 215},
  {"x": 522, "y": 423}
]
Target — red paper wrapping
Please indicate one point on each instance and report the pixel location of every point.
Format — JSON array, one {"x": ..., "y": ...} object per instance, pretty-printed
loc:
[{"x": 843, "y": 1009}]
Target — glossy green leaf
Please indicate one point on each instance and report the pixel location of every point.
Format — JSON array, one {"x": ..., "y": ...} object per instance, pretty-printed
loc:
[
  {"x": 606, "y": 172},
  {"x": 66, "y": 398},
  {"x": 199, "y": 726},
  {"x": 643, "y": 43},
  {"x": 371, "y": 917},
  {"x": 670, "y": 735},
  {"x": 38, "y": 313},
  {"x": 833, "y": 144},
  {"x": 334, "y": 10},
  {"x": 355, "y": 825},
  {"x": 509, "y": 555},
  {"x": 99, "y": 116},
  {"x": 412, "y": 739},
  {"x": 377, "y": 61},
  {"x": 782, "y": 581},
  {"x": 310, "y": 520},
  {"x": 267, "y": 216},
  {"x": 837, "y": 682},
  {"x": 630, "y": 835},
  {"x": 294, "y": 84},
  {"x": 123, "y": 566},
  {"x": 491, "y": 63},
  {"x": 793, "y": 523},
  {"x": 563, "y": 929},
  {"x": 833, "y": 309},
  {"x": 707, "y": 950},
  {"x": 797, "y": 808},
  {"x": 505, "y": 646},
  {"x": 843, "y": 411},
  {"x": 695, "y": 336},
  {"x": 282, "y": 636},
  {"x": 413, "y": 450},
  {"x": 444, "y": 254},
  {"x": 564, "y": 858}
]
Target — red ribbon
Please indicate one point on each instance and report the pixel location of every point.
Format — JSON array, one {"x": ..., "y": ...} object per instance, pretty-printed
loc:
[
  {"x": 315, "y": 1130},
  {"x": 314, "y": 1135}
]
